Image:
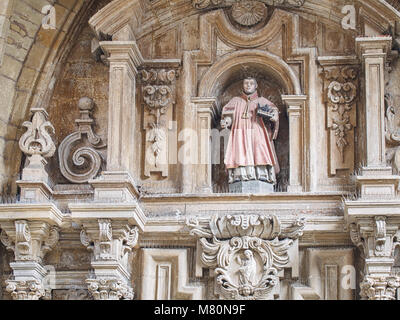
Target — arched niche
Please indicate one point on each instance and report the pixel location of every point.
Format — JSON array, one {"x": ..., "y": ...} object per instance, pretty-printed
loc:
[{"x": 278, "y": 83}]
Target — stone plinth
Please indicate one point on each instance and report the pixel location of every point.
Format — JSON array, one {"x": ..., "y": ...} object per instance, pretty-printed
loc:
[{"x": 253, "y": 186}]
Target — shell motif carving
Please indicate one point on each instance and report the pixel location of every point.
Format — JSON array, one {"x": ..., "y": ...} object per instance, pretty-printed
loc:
[
  {"x": 248, "y": 13},
  {"x": 85, "y": 162}
]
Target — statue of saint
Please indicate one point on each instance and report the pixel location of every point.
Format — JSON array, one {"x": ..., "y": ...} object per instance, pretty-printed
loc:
[
  {"x": 247, "y": 269},
  {"x": 254, "y": 121}
]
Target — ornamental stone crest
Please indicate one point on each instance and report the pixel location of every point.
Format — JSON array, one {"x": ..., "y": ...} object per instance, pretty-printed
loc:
[
  {"x": 79, "y": 164},
  {"x": 246, "y": 253}
]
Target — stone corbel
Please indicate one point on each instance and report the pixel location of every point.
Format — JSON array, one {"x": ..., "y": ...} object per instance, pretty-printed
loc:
[
  {"x": 246, "y": 253},
  {"x": 30, "y": 241},
  {"x": 37, "y": 144}
]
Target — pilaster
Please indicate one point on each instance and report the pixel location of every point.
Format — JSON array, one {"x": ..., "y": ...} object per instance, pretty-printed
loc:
[
  {"x": 295, "y": 110},
  {"x": 375, "y": 178}
]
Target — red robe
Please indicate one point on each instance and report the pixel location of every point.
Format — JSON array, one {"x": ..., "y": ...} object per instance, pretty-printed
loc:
[{"x": 250, "y": 142}]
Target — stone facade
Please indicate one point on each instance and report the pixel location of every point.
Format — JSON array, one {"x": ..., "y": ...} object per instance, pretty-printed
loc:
[{"x": 111, "y": 152}]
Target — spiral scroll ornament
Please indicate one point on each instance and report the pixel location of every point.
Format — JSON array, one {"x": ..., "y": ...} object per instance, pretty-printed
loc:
[{"x": 79, "y": 165}]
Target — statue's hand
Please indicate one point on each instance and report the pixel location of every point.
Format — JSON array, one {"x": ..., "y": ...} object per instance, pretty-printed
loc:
[{"x": 226, "y": 122}]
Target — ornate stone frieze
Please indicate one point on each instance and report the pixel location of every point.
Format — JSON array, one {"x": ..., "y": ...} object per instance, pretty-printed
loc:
[
  {"x": 158, "y": 92},
  {"x": 25, "y": 290},
  {"x": 202, "y": 4},
  {"x": 27, "y": 247},
  {"x": 81, "y": 164},
  {"x": 109, "y": 289},
  {"x": 341, "y": 87},
  {"x": 246, "y": 253},
  {"x": 380, "y": 288},
  {"x": 37, "y": 144}
]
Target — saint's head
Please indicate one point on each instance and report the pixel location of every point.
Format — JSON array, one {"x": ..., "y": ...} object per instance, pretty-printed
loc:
[{"x": 249, "y": 85}]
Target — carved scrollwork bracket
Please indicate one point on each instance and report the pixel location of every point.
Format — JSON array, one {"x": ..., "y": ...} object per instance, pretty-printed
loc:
[
  {"x": 86, "y": 161},
  {"x": 341, "y": 87},
  {"x": 158, "y": 93},
  {"x": 246, "y": 253}
]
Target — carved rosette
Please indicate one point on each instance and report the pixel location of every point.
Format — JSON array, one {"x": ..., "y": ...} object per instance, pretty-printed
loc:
[
  {"x": 341, "y": 87},
  {"x": 109, "y": 289},
  {"x": 246, "y": 252},
  {"x": 25, "y": 290},
  {"x": 379, "y": 288},
  {"x": 158, "y": 93},
  {"x": 79, "y": 164}
]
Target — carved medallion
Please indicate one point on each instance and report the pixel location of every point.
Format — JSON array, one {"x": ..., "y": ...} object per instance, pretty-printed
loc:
[
  {"x": 248, "y": 13},
  {"x": 246, "y": 253}
]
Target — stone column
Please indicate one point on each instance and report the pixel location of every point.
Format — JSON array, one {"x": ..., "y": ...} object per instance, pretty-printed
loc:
[
  {"x": 374, "y": 229},
  {"x": 111, "y": 232},
  {"x": 205, "y": 111},
  {"x": 124, "y": 58},
  {"x": 376, "y": 179},
  {"x": 296, "y": 105}
]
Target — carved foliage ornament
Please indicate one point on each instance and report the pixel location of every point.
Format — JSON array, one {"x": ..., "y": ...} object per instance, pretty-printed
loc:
[
  {"x": 37, "y": 140},
  {"x": 380, "y": 288},
  {"x": 109, "y": 289},
  {"x": 86, "y": 161},
  {"x": 22, "y": 244},
  {"x": 103, "y": 244},
  {"x": 246, "y": 251},
  {"x": 392, "y": 134},
  {"x": 158, "y": 91},
  {"x": 25, "y": 290},
  {"x": 341, "y": 91}
]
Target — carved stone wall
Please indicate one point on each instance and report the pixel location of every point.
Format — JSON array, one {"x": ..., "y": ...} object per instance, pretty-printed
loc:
[{"x": 118, "y": 81}]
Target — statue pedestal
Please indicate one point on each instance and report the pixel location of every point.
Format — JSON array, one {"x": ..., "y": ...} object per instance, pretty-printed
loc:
[{"x": 252, "y": 186}]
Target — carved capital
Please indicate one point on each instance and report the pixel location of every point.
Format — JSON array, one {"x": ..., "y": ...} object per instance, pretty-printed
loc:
[
  {"x": 109, "y": 289},
  {"x": 379, "y": 288},
  {"x": 246, "y": 252},
  {"x": 108, "y": 242},
  {"x": 86, "y": 159},
  {"x": 30, "y": 241},
  {"x": 25, "y": 290}
]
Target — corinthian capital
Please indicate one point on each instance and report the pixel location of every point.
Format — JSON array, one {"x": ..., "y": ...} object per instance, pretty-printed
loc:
[
  {"x": 25, "y": 290},
  {"x": 379, "y": 288},
  {"x": 109, "y": 289}
]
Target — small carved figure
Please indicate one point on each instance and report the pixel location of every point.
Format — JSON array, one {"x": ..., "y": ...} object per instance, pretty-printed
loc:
[{"x": 247, "y": 269}]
